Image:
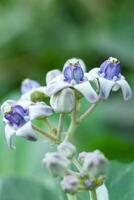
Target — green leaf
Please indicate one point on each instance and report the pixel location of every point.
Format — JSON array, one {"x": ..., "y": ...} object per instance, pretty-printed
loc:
[
  {"x": 120, "y": 181},
  {"x": 19, "y": 188}
]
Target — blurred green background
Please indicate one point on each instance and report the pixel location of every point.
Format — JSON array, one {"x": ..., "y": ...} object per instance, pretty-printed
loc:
[{"x": 39, "y": 35}]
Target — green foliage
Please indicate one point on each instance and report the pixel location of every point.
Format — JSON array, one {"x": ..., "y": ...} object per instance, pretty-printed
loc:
[
  {"x": 120, "y": 181},
  {"x": 19, "y": 188}
]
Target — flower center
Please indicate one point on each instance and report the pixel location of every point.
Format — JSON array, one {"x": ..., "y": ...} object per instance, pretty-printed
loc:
[
  {"x": 16, "y": 116},
  {"x": 110, "y": 69},
  {"x": 73, "y": 73}
]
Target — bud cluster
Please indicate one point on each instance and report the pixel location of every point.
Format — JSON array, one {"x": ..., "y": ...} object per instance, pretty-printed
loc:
[{"x": 92, "y": 170}]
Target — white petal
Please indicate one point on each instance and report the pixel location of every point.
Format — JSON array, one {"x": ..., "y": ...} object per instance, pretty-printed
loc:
[
  {"x": 52, "y": 75},
  {"x": 9, "y": 133},
  {"x": 56, "y": 87},
  {"x": 27, "y": 132},
  {"x": 87, "y": 91},
  {"x": 105, "y": 87},
  {"x": 102, "y": 193},
  {"x": 39, "y": 110},
  {"x": 92, "y": 74},
  {"x": 126, "y": 90}
]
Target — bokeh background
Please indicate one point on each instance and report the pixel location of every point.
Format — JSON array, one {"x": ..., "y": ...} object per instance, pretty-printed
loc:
[{"x": 39, "y": 35}]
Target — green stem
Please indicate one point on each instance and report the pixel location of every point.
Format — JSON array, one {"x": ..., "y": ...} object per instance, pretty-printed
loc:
[
  {"x": 48, "y": 124},
  {"x": 72, "y": 127},
  {"x": 93, "y": 195},
  {"x": 71, "y": 197},
  {"x": 77, "y": 165},
  {"x": 46, "y": 134},
  {"x": 60, "y": 125},
  {"x": 87, "y": 113}
]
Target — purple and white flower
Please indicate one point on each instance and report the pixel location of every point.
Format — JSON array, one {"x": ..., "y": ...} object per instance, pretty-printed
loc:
[
  {"x": 32, "y": 91},
  {"x": 74, "y": 76},
  {"x": 17, "y": 117},
  {"x": 110, "y": 78}
]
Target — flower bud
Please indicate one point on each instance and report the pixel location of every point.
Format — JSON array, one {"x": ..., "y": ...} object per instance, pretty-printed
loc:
[
  {"x": 56, "y": 163},
  {"x": 67, "y": 149},
  {"x": 94, "y": 163},
  {"x": 70, "y": 184},
  {"x": 37, "y": 96},
  {"x": 63, "y": 101}
]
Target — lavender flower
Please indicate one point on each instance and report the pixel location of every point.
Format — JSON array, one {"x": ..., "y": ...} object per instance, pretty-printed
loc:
[
  {"x": 17, "y": 117},
  {"x": 74, "y": 77},
  {"x": 110, "y": 78}
]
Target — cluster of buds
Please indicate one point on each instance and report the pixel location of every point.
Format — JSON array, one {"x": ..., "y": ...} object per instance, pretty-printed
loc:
[
  {"x": 90, "y": 174},
  {"x": 64, "y": 90}
]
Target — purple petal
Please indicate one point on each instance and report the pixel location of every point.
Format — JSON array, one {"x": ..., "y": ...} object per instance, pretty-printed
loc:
[{"x": 28, "y": 85}]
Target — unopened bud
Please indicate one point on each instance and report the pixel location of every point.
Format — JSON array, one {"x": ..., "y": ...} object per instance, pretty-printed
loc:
[
  {"x": 67, "y": 149},
  {"x": 63, "y": 101},
  {"x": 70, "y": 184},
  {"x": 56, "y": 163},
  {"x": 95, "y": 163}
]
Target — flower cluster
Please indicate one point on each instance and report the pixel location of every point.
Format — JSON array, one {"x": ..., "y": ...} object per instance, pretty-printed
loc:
[{"x": 63, "y": 92}]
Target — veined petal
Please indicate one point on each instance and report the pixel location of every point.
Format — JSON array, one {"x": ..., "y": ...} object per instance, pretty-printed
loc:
[
  {"x": 9, "y": 133},
  {"x": 52, "y": 75},
  {"x": 102, "y": 193},
  {"x": 40, "y": 110},
  {"x": 105, "y": 87},
  {"x": 55, "y": 87},
  {"x": 126, "y": 90},
  {"x": 93, "y": 74},
  {"x": 87, "y": 91},
  {"x": 27, "y": 132}
]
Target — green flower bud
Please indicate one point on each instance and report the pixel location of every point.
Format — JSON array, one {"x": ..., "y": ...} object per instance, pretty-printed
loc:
[
  {"x": 37, "y": 96},
  {"x": 63, "y": 101}
]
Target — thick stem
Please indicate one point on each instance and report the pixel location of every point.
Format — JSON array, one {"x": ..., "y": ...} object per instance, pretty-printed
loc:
[
  {"x": 60, "y": 125},
  {"x": 87, "y": 113},
  {"x": 54, "y": 139},
  {"x": 71, "y": 197},
  {"x": 93, "y": 195}
]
